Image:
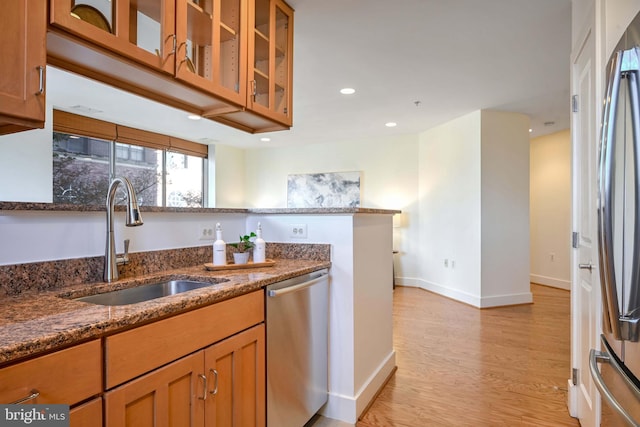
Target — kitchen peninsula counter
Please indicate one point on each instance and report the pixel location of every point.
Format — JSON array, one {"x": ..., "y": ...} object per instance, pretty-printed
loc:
[
  {"x": 36, "y": 322},
  {"x": 56, "y": 207}
]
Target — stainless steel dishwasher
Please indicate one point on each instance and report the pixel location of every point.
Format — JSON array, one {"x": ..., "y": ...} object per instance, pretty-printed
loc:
[{"x": 297, "y": 334}]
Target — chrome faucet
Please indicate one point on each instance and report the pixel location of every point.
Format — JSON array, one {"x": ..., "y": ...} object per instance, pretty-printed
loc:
[{"x": 133, "y": 219}]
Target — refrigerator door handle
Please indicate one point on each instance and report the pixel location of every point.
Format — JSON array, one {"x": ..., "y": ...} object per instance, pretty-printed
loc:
[
  {"x": 596, "y": 357},
  {"x": 628, "y": 319},
  {"x": 605, "y": 220}
]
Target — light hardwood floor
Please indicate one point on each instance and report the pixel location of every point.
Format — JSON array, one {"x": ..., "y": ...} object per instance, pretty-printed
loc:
[{"x": 461, "y": 366}]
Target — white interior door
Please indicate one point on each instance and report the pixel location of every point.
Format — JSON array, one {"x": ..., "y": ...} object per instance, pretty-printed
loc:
[{"x": 585, "y": 297}]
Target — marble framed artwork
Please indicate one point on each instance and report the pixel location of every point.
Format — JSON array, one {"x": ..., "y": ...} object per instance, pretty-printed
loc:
[{"x": 324, "y": 190}]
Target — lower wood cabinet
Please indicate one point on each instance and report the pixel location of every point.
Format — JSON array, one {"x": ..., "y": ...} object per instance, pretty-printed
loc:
[
  {"x": 67, "y": 376},
  {"x": 222, "y": 385},
  {"x": 236, "y": 380},
  {"x": 205, "y": 367},
  {"x": 88, "y": 414}
]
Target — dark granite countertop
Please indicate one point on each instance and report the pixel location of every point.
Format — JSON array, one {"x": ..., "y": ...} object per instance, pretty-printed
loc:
[
  {"x": 37, "y": 322},
  {"x": 53, "y": 207}
]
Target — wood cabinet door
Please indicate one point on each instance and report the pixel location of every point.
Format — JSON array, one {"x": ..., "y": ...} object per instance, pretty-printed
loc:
[
  {"x": 271, "y": 60},
  {"x": 141, "y": 30},
  {"x": 212, "y": 48},
  {"x": 236, "y": 371},
  {"x": 22, "y": 67},
  {"x": 171, "y": 396},
  {"x": 88, "y": 414}
]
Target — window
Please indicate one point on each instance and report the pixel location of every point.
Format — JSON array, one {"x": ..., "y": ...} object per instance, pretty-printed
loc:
[
  {"x": 183, "y": 171},
  {"x": 80, "y": 169},
  {"x": 164, "y": 171}
]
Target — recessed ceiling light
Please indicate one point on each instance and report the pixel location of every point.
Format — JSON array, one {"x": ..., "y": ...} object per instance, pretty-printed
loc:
[
  {"x": 347, "y": 91},
  {"x": 265, "y": 139},
  {"x": 530, "y": 130},
  {"x": 391, "y": 124},
  {"x": 194, "y": 117}
]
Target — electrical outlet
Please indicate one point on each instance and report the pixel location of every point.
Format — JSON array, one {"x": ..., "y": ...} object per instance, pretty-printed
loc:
[
  {"x": 552, "y": 257},
  {"x": 207, "y": 232},
  {"x": 446, "y": 263},
  {"x": 298, "y": 231},
  {"x": 453, "y": 264}
]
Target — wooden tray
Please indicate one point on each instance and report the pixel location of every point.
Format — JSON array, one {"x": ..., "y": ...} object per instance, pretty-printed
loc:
[{"x": 267, "y": 263}]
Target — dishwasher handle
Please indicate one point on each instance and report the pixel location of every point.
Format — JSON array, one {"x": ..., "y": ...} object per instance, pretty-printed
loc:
[{"x": 272, "y": 293}]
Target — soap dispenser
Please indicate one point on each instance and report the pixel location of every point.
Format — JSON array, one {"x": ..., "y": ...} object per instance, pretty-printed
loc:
[
  {"x": 259, "y": 248},
  {"x": 219, "y": 248}
]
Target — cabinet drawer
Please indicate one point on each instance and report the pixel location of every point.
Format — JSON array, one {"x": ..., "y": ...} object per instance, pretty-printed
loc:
[
  {"x": 67, "y": 376},
  {"x": 132, "y": 353}
]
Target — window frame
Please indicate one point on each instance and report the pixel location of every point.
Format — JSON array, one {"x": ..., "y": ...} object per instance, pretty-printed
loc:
[{"x": 73, "y": 124}]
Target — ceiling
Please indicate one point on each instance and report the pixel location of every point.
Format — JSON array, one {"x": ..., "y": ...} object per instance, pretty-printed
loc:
[{"x": 418, "y": 63}]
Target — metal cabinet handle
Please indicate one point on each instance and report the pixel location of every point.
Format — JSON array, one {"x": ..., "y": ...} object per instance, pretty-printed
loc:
[
  {"x": 215, "y": 381},
  {"x": 204, "y": 389},
  {"x": 586, "y": 267},
  {"x": 40, "y": 69},
  {"x": 33, "y": 395},
  {"x": 254, "y": 89},
  {"x": 596, "y": 357},
  {"x": 175, "y": 44}
]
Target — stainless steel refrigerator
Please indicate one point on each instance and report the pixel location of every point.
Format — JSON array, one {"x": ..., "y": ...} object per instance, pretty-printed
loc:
[{"x": 618, "y": 375}]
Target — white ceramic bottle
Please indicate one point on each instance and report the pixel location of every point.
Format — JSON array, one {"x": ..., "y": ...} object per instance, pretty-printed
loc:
[
  {"x": 259, "y": 250},
  {"x": 219, "y": 248}
]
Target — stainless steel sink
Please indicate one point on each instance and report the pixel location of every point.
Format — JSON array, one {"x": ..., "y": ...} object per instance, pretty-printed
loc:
[{"x": 146, "y": 292}]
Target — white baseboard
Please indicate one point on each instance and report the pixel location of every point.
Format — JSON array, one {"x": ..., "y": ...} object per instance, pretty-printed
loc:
[
  {"x": 474, "y": 300},
  {"x": 348, "y": 408},
  {"x": 572, "y": 399},
  {"x": 551, "y": 281}
]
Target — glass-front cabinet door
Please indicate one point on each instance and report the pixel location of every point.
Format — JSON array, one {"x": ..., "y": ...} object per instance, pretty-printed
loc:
[
  {"x": 211, "y": 50},
  {"x": 142, "y": 30},
  {"x": 270, "y": 53}
]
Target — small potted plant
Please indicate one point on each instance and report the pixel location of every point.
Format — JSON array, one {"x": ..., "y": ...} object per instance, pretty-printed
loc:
[{"x": 243, "y": 247}]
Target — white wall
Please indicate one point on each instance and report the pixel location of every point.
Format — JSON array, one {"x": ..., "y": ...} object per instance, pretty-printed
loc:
[
  {"x": 450, "y": 227},
  {"x": 505, "y": 209},
  {"x": 550, "y": 207},
  {"x": 618, "y": 15},
  {"x": 26, "y": 163},
  {"x": 389, "y": 167},
  {"x": 31, "y": 236},
  {"x": 227, "y": 176},
  {"x": 474, "y": 215}
]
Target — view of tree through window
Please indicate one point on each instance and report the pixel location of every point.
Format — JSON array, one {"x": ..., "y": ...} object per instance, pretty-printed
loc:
[{"x": 81, "y": 168}]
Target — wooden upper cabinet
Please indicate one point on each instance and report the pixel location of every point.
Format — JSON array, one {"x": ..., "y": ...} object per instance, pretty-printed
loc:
[
  {"x": 142, "y": 30},
  {"x": 211, "y": 47},
  {"x": 271, "y": 60},
  {"x": 227, "y": 60},
  {"x": 22, "y": 67},
  {"x": 270, "y": 69}
]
